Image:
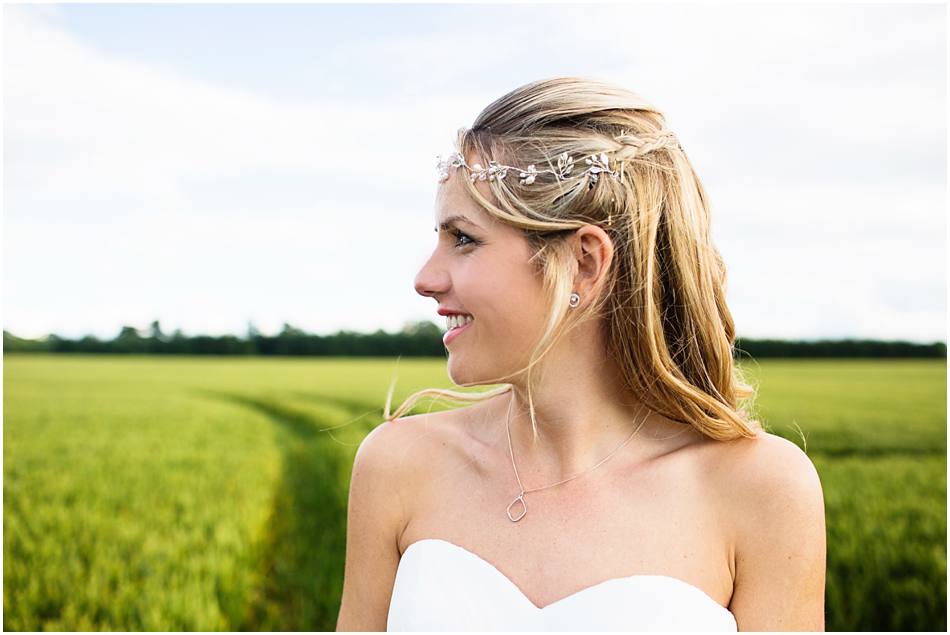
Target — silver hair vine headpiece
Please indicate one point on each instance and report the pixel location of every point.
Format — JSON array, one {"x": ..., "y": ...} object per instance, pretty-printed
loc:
[{"x": 599, "y": 164}]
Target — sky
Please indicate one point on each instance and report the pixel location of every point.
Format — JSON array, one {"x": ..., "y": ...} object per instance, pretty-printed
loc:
[{"x": 211, "y": 166}]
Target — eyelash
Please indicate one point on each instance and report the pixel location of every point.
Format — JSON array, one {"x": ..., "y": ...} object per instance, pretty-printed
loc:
[{"x": 458, "y": 235}]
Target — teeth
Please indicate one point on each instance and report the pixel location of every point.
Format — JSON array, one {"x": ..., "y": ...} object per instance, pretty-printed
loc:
[{"x": 453, "y": 321}]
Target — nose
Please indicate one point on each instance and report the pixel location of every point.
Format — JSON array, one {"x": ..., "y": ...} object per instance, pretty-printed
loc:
[{"x": 431, "y": 280}]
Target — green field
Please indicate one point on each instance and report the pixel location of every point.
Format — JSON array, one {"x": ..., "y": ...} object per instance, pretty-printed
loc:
[{"x": 149, "y": 493}]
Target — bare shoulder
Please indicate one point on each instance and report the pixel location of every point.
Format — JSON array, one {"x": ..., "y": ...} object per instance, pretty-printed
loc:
[
  {"x": 773, "y": 496},
  {"x": 759, "y": 466},
  {"x": 399, "y": 441},
  {"x": 409, "y": 447},
  {"x": 385, "y": 473},
  {"x": 761, "y": 478},
  {"x": 403, "y": 447}
]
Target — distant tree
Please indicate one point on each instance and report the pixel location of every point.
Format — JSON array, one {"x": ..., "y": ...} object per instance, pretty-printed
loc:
[
  {"x": 128, "y": 332},
  {"x": 423, "y": 328},
  {"x": 416, "y": 339},
  {"x": 290, "y": 331},
  {"x": 129, "y": 341},
  {"x": 155, "y": 331},
  {"x": 291, "y": 341},
  {"x": 91, "y": 344}
]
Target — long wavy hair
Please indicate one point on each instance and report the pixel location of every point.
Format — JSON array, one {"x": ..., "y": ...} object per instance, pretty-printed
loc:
[{"x": 663, "y": 302}]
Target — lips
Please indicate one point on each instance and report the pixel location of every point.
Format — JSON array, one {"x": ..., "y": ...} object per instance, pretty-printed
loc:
[
  {"x": 451, "y": 334},
  {"x": 445, "y": 311}
]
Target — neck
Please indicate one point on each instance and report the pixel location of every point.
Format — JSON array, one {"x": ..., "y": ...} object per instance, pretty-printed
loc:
[{"x": 582, "y": 413}]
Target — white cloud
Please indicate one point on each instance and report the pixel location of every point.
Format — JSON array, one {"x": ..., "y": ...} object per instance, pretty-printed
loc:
[
  {"x": 133, "y": 193},
  {"x": 826, "y": 259},
  {"x": 105, "y": 222}
]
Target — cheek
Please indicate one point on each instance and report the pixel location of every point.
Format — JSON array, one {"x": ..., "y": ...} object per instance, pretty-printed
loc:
[
  {"x": 520, "y": 305},
  {"x": 505, "y": 292}
]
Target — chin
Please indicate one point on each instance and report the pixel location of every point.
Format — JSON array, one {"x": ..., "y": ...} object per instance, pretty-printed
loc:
[
  {"x": 458, "y": 373},
  {"x": 463, "y": 373}
]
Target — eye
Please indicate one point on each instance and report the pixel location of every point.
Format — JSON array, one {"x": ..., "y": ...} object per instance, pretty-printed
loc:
[{"x": 459, "y": 236}]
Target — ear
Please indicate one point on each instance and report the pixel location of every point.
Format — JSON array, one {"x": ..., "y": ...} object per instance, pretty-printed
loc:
[{"x": 594, "y": 251}]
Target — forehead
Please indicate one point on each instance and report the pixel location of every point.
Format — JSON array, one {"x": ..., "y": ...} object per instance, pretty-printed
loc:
[{"x": 454, "y": 204}]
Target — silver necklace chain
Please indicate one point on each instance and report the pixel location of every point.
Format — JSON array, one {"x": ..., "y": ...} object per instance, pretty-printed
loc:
[{"x": 524, "y": 491}]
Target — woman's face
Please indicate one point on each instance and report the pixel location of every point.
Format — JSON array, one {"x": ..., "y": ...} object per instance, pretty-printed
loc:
[{"x": 480, "y": 267}]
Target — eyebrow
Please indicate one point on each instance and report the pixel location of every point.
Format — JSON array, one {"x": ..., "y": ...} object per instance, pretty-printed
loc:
[{"x": 454, "y": 219}]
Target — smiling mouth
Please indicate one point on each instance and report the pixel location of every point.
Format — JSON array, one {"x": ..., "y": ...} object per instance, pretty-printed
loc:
[
  {"x": 453, "y": 332},
  {"x": 453, "y": 322}
]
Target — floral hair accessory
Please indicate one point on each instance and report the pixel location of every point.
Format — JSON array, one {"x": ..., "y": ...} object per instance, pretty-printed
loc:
[
  {"x": 496, "y": 171},
  {"x": 599, "y": 164}
]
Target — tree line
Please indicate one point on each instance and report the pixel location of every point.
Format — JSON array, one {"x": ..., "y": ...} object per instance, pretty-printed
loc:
[{"x": 416, "y": 339}]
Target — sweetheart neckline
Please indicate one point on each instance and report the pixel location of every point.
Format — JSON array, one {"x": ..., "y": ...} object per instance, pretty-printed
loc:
[{"x": 576, "y": 593}]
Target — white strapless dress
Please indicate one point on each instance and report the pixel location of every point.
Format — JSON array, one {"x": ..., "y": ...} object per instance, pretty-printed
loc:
[{"x": 441, "y": 586}]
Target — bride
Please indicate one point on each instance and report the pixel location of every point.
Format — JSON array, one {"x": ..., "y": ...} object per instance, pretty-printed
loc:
[{"x": 615, "y": 480}]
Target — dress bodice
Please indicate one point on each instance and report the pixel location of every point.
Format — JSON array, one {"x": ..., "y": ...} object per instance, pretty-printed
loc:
[{"x": 442, "y": 586}]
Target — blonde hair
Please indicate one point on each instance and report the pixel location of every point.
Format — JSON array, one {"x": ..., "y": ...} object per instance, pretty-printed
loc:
[{"x": 663, "y": 302}]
